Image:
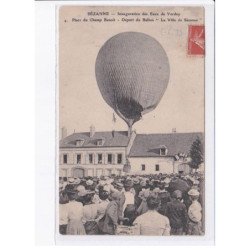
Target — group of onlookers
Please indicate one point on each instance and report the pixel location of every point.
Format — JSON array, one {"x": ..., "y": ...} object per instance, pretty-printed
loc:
[{"x": 155, "y": 204}]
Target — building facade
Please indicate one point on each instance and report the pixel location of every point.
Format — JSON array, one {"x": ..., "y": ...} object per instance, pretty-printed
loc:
[{"x": 105, "y": 153}]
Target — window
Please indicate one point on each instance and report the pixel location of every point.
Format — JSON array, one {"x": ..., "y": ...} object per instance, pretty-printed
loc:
[
  {"x": 91, "y": 158},
  {"x": 100, "y": 142},
  {"x": 109, "y": 158},
  {"x": 99, "y": 158},
  {"x": 78, "y": 159},
  {"x": 157, "y": 167},
  {"x": 162, "y": 151},
  {"x": 143, "y": 167},
  {"x": 79, "y": 143},
  {"x": 65, "y": 158},
  {"x": 119, "y": 158}
]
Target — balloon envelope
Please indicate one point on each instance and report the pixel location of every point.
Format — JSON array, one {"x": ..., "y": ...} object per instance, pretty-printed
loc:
[{"x": 132, "y": 72}]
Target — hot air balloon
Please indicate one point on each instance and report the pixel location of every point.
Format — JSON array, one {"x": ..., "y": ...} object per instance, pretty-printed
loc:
[{"x": 132, "y": 73}]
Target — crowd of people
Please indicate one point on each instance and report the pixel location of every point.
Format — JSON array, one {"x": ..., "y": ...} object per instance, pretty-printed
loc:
[{"x": 155, "y": 204}]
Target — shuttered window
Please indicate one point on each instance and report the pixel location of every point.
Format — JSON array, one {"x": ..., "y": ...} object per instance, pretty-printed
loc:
[
  {"x": 109, "y": 158},
  {"x": 78, "y": 158},
  {"x": 119, "y": 158},
  {"x": 65, "y": 158},
  {"x": 91, "y": 158},
  {"x": 143, "y": 167}
]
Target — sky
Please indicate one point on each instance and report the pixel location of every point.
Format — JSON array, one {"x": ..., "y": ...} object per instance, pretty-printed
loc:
[{"x": 80, "y": 102}]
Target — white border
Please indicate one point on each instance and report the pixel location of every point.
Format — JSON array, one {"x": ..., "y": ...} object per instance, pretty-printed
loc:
[{"x": 47, "y": 121}]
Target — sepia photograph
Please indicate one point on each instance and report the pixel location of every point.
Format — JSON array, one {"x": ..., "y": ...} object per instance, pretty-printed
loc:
[{"x": 131, "y": 121}]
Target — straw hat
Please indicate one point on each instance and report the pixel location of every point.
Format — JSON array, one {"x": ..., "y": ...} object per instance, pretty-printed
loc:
[
  {"x": 193, "y": 192},
  {"x": 89, "y": 182},
  {"x": 86, "y": 192},
  {"x": 80, "y": 188},
  {"x": 71, "y": 180},
  {"x": 167, "y": 180}
]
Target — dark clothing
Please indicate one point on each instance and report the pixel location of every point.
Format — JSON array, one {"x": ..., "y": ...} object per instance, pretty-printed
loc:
[
  {"x": 165, "y": 198},
  {"x": 91, "y": 228},
  {"x": 176, "y": 231},
  {"x": 62, "y": 229},
  {"x": 194, "y": 228},
  {"x": 137, "y": 188},
  {"x": 176, "y": 211},
  {"x": 179, "y": 184},
  {"x": 111, "y": 218},
  {"x": 182, "y": 185},
  {"x": 131, "y": 214}
]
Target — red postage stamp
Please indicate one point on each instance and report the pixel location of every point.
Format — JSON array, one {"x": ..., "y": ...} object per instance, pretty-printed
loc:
[{"x": 196, "y": 40}]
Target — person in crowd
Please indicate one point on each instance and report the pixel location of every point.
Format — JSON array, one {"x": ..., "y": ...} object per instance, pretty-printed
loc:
[
  {"x": 202, "y": 200},
  {"x": 118, "y": 187},
  {"x": 110, "y": 222},
  {"x": 70, "y": 184},
  {"x": 129, "y": 195},
  {"x": 90, "y": 185},
  {"x": 176, "y": 211},
  {"x": 75, "y": 215},
  {"x": 130, "y": 213},
  {"x": 80, "y": 193},
  {"x": 102, "y": 206},
  {"x": 151, "y": 186},
  {"x": 179, "y": 183},
  {"x": 194, "y": 214},
  {"x": 152, "y": 222},
  {"x": 137, "y": 187},
  {"x": 63, "y": 212},
  {"x": 89, "y": 213},
  {"x": 164, "y": 196},
  {"x": 143, "y": 195},
  {"x": 65, "y": 182},
  {"x": 108, "y": 187},
  {"x": 77, "y": 181}
]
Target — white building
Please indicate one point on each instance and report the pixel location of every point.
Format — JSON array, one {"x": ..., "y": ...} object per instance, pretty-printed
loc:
[
  {"x": 104, "y": 153},
  {"x": 159, "y": 153}
]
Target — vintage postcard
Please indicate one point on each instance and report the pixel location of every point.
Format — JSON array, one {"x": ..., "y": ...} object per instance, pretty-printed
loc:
[{"x": 131, "y": 108}]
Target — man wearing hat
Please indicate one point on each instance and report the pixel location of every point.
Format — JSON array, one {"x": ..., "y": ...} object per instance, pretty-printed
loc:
[
  {"x": 164, "y": 196},
  {"x": 176, "y": 211},
  {"x": 70, "y": 184},
  {"x": 90, "y": 185},
  {"x": 194, "y": 214}
]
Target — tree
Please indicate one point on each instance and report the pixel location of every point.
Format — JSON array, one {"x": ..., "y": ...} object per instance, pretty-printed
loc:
[{"x": 196, "y": 154}]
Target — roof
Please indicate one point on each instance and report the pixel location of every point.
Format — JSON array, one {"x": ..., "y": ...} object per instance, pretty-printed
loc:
[
  {"x": 148, "y": 145},
  {"x": 111, "y": 139}
]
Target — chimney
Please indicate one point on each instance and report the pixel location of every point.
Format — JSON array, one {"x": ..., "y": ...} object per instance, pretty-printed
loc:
[
  {"x": 63, "y": 132},
  {"x": 173, "y": 130},
  {"x": 92, "y": 131}
]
